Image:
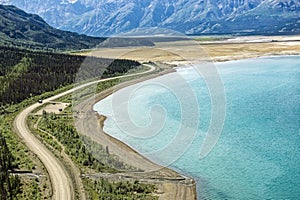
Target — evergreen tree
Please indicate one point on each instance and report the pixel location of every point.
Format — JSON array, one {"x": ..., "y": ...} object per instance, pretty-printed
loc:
[{"x": 9, "y": 185}]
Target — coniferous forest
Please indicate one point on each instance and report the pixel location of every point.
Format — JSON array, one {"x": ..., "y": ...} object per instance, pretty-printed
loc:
[
  {"x": 25, "y": 73},
  {"x": 9, "y": 184}
]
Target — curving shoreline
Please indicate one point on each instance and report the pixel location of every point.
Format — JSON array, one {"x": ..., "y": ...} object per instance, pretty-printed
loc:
[{"x": 171, "y": 184}]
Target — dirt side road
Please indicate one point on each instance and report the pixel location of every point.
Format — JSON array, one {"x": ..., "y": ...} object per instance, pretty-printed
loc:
[{"x": 61, "y": 181}]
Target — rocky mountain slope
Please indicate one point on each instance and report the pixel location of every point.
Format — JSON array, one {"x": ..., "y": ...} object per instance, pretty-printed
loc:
[
  {"x": 106, "y": 17},
  {"x": 18, "y": 28}
]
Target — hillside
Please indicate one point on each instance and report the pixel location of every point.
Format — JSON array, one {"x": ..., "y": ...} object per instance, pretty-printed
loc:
[
  {"x": 25, "y": 73},
  {"x": 21, "y": 29},
  {"x": 104, "y": 18}
]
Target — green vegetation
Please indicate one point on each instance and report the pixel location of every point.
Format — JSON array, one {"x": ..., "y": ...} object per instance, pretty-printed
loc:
[
  {"x": 26, "y": 77},
  {"x": 17, "y": 149},
  {"x": 23, "y": 159},
  {"x": 62, "y": 128},
  {"x": 9, "y": 184},
  {"x": 81, "y": 149},
  {"x": 87, "y": 92},
  {"x": 102, "y": 154},
  {"x": 126, "y": 42},
  {"x": 123, "y": 190},
  {"x": 14, "y": 64},
  {"x": 25, "y": 73},
  {"x": 88, "y": 154},
  {"x": 23, "y": 30}
]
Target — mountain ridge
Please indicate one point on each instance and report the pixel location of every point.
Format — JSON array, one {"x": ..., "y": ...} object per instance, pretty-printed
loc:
[
  {"x": 21, "y": 29},
  {"x": 105, "y": 18}
]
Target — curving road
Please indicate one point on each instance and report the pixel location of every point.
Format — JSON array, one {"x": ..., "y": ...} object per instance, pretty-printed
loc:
[{"x": 60, "y": 179}]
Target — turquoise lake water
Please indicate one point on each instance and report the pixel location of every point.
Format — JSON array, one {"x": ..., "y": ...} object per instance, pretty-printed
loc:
[{"x": 258, "y": 153}]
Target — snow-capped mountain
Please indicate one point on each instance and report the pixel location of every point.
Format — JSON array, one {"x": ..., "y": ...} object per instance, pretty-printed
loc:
[{"x": 106, "y": 17}]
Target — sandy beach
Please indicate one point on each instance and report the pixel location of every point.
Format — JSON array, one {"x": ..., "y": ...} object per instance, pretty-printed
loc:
[{"x": 171, "y": 184}]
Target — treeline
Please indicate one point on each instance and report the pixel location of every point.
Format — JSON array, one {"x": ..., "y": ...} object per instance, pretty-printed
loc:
[
  {"x": 9, "y": 184},
  {"x": 25, "y": 73}
]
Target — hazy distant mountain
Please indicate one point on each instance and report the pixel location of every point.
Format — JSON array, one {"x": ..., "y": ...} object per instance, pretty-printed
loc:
[
  {"x": 18, "y": 28},
  {"x": 105, "y": 17}
]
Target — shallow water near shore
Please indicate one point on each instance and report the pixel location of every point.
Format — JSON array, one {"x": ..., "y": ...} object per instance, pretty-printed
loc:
[{"x": 258, "y": 153}]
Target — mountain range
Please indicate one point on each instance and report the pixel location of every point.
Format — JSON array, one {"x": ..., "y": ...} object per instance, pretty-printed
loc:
[
  {"x": 20, "y": 29},
  {"x": 109, "y": 17}
]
